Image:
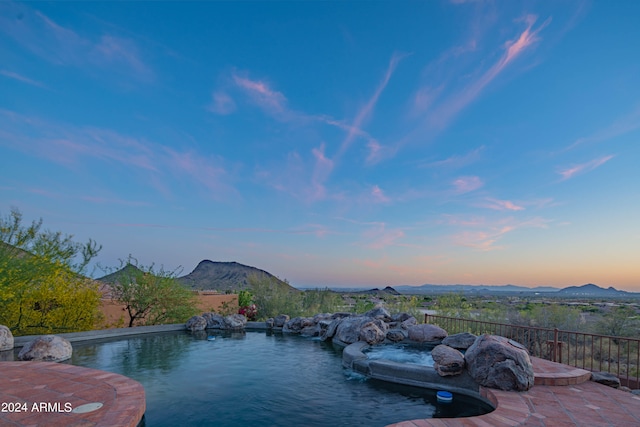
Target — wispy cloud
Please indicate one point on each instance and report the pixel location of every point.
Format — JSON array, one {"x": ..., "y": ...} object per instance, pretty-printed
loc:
[
  {"x": 57, "y": 44},
  {"x": 205, "y": 170},
  {"x": 379, "y": 236},
  {"x": 572, "y": 171},
  {"x": 22, "y": 78},
  {"x": 446, "y": 112},
  {"x": 117, "y": 50},
  {"x": 222, "y": 103},
  {"x": 485, "y": 235},
  {"x": 76, "y": 147},
  {"x": 466, "y": 184},
  {"x": 455, "y": 161},
  {"x": 364, "y": 113},
  {"x": 321, "y": 171},
  {"x": 262, "y": 95},
  {"x": 501, "y": 205},
  {"x": 622, "y": 126},
  {"x": 378, "y": 195}
]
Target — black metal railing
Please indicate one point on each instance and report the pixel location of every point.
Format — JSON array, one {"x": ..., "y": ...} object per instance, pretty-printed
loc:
[{"x": 616, "y": 355}]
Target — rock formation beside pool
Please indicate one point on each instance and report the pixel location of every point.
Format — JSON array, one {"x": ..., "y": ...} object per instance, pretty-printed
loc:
[
  {"x": 460, "y": 341},
  {"x": 498, "y": 362},
  {"x": 426, "y": 333},
  {"x": 48, "y": 348},
  {"x": 196, "y": 323},
  {"x": 216, "y": 321},
  {"x": 491, "y": 361},
  {"x": 6, "y": 338},
  {"x": 447, "y": 360}
]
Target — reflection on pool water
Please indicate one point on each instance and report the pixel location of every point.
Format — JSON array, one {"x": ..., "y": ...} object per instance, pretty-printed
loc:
[
  {"x": 401, "y": 353},
  {"x": 257, "y": 378}
]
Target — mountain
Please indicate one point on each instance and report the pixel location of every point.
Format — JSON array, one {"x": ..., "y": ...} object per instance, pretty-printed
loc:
[
  {"x": 127, "y": 270},
  {"x": 591, "y": 290},
  {"x": 428, "y": 289},
  {"x": 227, "y": 276},
  {"x": 380, "y": 292}
]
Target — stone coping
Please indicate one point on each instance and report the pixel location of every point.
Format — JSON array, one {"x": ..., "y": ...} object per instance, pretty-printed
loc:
[
  {"x": 46, "y": 393},
  {"x": 101, "y": 334},
  {"x": 353, "y": 357}
]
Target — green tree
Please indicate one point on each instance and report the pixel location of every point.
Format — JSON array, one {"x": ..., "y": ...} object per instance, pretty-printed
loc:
[
  {"x": 245, "y": 298},
  {"x": 150, "y": 296},
  {"x": 554, "y": 316},
  {"x": 453, "y": 305},
  {"x": 619, "y": 322},
  {"x": 42, "y": 289},
  {"x": 272, "y": 299}
]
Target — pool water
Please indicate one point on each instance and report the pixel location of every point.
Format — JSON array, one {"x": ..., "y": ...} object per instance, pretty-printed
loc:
[
  {"x": 260, "y": 379},
  {"x": 402, "y": 354}
]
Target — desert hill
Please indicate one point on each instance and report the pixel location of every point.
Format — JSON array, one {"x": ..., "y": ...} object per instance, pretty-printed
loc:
[
  {"x": 379, "y": 292},
  {"x": 591, "y": 290},
  {"x": 210, "y": 275},
  {"x": 227, "y": 276}
]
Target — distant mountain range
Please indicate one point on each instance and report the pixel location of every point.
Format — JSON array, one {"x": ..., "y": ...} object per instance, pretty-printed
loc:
[
  {"x": 379, "y": 292},
  {"x": 589, "y": 290},
  {"x": 233, "y": 277}
]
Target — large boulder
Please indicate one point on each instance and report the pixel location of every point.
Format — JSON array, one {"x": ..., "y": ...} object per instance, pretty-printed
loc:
[
  {"x": 460, "y": 341},
  {"x": 373, "y": 332},
  {"x": 379, "y": 312},
  {"x": 6, "y": 338},
  {"x": 235, "y": 321},
  {"x": 214, "y": 321},
  {"x": 328, "y": 328},
  {"x": 396, "y": 335},
  {"x": 401, "y": 317},
  {"x": 606, "y": 378},
  {"x": 321, "y": 316},
  {"x": 48, "y": 348},
  {"x": 297, "y": 324},
  {"x": 196, "y": 323},
  {"x": 407, "y": 323},
  {"x": 426, "y": 333},
  {"x": 498, "y": 362},
  {"x": 447, "y": 361},
  {"x": 348, "y": 329},
  {"x": 280, "y": 320}
]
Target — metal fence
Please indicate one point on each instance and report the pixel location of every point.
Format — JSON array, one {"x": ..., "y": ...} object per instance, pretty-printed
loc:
[{"x": 616, "y": 355}]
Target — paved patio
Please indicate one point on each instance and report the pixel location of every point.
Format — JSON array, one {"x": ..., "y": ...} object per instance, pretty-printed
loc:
[
  {"x": 42, "y": 394},
  {"x": 562, "y": 396}
]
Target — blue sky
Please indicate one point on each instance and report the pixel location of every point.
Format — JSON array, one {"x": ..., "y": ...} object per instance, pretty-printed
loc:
[{"x": 332, "y": 143}]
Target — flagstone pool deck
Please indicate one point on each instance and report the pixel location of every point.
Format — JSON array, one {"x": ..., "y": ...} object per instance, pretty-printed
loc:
[{"x": 562, "y": 396}]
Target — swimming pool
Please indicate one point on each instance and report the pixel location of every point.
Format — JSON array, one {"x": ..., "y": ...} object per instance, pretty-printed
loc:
[{"x": 257, "y": 378}]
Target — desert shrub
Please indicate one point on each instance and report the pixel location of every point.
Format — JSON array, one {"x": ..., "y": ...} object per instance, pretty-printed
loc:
[
  {"x": 42, "y": 289},
  {"x": 151, "y": 296}
]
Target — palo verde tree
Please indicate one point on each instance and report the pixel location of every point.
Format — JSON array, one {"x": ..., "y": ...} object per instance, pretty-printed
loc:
[
  {"x": 42, "y": 286},
  {"x": 150, "y": 296}
]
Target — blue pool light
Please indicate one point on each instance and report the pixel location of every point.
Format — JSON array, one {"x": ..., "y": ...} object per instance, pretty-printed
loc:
[{"x": 444, "y": 397}]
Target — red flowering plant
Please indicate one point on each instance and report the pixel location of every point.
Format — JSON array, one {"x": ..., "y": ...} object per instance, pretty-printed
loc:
[
  {"x": 247, "y": 308},
  {"x": 249, "y": 311}
]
